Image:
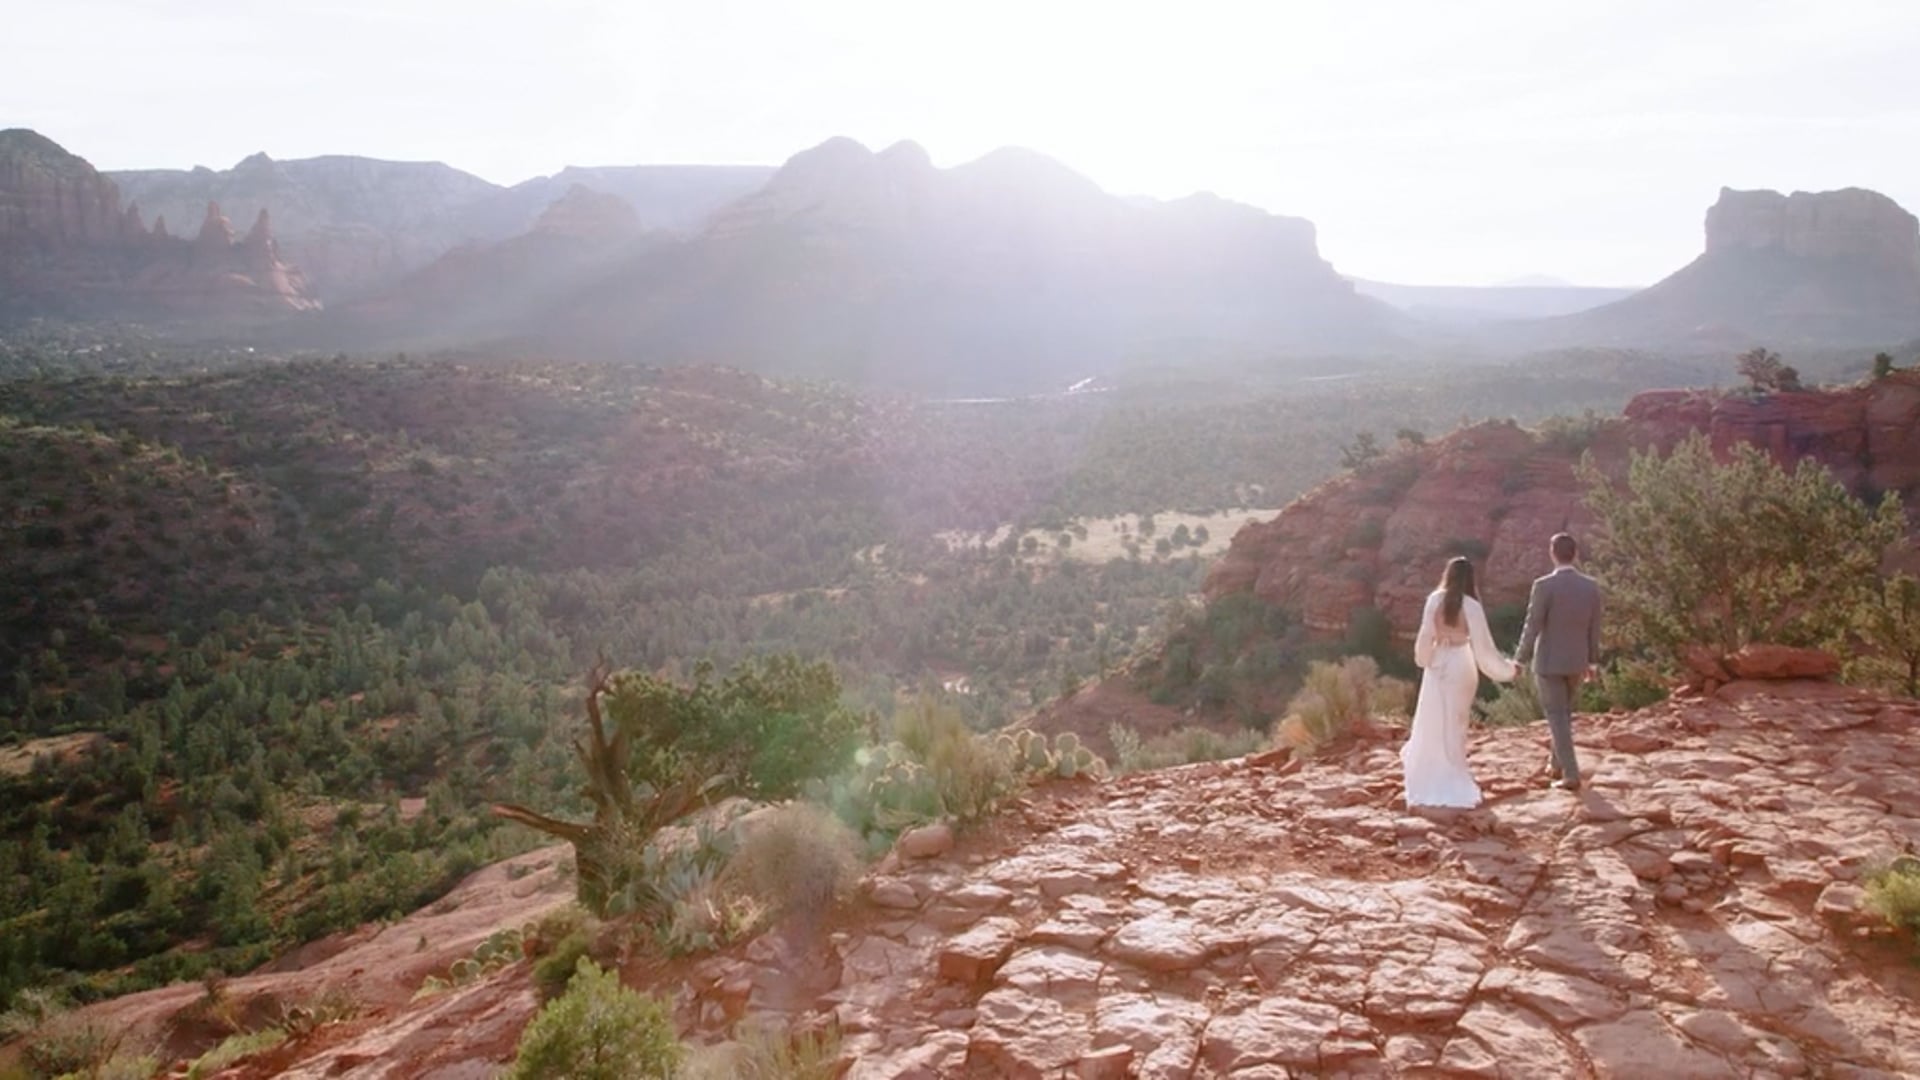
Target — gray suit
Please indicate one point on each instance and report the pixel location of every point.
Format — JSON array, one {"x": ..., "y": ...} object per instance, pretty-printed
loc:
[{"x": 1561, "y": 638}]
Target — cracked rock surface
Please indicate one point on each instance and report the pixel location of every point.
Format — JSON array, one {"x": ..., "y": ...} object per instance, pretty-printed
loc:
[{"x": 1694, "y": 913}]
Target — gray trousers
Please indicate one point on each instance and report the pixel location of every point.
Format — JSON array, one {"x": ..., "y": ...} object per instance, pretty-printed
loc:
[{"x": 1556, "y": 700}]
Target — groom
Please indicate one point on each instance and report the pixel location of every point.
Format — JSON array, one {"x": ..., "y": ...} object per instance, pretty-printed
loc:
[{"x": 1561, "y": 642}]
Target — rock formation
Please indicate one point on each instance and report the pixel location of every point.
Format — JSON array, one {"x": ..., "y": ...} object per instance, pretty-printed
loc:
[
  {"x": 358, "y": 225},
  {"x": 1376, "y": 539},
  {"x": 1832, "y": 267},
  {"x": 589, "y": 215},
  {"x": 482, "y": 290},
  {"x": 1697, "y": 911},
  {"x": 1852, "y": 223},
  {"x": 67, "y": 247},
  {"x": 1011, "y": 272},
  {"x": 50, "y": 199},
  {"x": 350, "y": 222}
]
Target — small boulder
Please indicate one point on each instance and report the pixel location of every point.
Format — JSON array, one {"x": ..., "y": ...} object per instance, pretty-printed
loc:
[
  {"x": 1843, "y": 902},
  {"x": 927, "y": 841},
  {"x": 1782, "y": 662},
  {"x": 1631, "y": 741},
  {"x": 893, "y": 893},
  {"x": 975, "y": 956},
  {"x": 1111, "y": 1063}
]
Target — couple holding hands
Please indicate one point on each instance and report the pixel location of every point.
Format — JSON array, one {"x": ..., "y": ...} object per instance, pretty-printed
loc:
[{"x": 1560, "y": 644}]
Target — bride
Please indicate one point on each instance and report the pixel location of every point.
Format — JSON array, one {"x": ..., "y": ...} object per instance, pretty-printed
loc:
[{"x": 1454, "y": 647}]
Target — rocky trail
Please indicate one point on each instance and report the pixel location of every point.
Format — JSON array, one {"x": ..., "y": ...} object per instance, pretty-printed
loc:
[{"x": 1694, "y": 912}]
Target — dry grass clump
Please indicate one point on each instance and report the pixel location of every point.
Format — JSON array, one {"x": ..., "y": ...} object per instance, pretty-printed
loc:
[
  {"x": 768, "y": 1052},
  {"x": 970, "y": 775},
  {"x": 1341, "y": 699},
  {"x": 234, "y": 1049},
  {"x": 54, "y": 1042},
  {"x": 1183, "y": 746},
  {"x": 797, "y": 859}
]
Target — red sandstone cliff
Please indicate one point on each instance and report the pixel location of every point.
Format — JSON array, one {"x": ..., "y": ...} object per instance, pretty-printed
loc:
[
  {"x": 66, "y": 246},
  {"x": 1378, "y": 537}
]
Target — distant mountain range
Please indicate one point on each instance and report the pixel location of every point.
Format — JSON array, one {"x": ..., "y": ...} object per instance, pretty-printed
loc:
[
  {"x": 1005, "y": 274},
  {"x": 1010, "y": 272},
  {"x": 1472, "y": 305},
  {"x": 355, "y": 225}
]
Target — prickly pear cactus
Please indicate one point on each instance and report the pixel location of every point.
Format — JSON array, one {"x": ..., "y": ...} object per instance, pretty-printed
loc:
[{"x": 1078, "y": 761}]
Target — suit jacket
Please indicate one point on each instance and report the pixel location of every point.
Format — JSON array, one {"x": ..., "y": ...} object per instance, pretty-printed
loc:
[{"x": 1562, "y": 634}]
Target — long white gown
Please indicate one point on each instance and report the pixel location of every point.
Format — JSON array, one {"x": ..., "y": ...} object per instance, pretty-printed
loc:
[{"x": 1453, "y": 657}]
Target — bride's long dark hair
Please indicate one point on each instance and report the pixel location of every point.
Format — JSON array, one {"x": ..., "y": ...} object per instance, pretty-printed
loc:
[{"x": 1457, "y": 583}]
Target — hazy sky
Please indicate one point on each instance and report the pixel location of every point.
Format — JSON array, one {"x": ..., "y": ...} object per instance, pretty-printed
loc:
[{"x": 1432, "y": 141}]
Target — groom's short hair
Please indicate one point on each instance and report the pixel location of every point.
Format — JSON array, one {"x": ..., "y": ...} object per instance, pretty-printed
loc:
[{"x": 1564, "y": 548}]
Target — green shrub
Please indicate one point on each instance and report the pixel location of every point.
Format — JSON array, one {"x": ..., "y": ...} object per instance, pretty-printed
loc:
[
  {"x": 598, "y": 1030},
  {"x": 1370, "y": 635},
  {"x": 1700, "y": 552},
  {"x": 1890, "y": 628},
  {"x": 1624, "y": 684},
  {"x": 1368, "y": 533},
  {"x": 1517, "y": 704},
  {"x": 1506, "y": 621},
  {"x": 1893, "y": 893},
  {"x": 553, "y": 971},
  {"x": 798, "y": 859},
  {"x": 1569, "y": 434}
]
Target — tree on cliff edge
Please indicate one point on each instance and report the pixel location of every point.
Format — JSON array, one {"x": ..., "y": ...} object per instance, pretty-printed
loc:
[
  {"x": 1766, "y": 372},
  {"x": 1696, "y": 551},
  {"x": 655, "y": 751}
]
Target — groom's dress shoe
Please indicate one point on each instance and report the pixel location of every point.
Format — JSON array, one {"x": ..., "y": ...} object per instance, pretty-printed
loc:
[{"x": 1565, "y": 785}]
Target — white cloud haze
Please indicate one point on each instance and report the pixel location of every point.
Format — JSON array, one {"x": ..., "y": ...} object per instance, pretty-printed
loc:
[{"x": 1459, "y": 142}]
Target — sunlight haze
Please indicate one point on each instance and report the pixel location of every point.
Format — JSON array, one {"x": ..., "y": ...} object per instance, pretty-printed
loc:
[{"x": 1463, "y": 143}]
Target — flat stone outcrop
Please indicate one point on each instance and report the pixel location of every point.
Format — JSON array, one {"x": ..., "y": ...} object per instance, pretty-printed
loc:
[{"x": 1695, "y": 912}]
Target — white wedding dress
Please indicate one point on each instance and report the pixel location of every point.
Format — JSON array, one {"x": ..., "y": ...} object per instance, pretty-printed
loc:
[{"x": 1435, "y": 756}]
